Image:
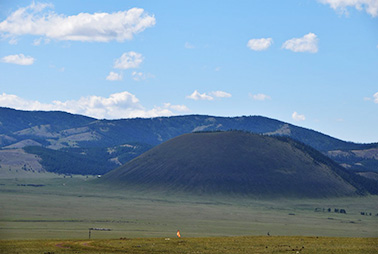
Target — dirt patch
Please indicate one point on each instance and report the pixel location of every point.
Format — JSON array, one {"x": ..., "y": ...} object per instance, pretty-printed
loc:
[
  {"x": 61, "y": 245},
  {"x": 87, "y": 244}
]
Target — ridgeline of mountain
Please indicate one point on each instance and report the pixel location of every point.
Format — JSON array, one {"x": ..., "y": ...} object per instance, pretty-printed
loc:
[
  {"x": 236, "y": 163},
  {"x": 117, "y": 141},
  {"x": 13, "y": 121}
]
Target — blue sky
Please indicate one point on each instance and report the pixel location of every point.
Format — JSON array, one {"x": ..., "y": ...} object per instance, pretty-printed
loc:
[{"x": 312, "y": 63}]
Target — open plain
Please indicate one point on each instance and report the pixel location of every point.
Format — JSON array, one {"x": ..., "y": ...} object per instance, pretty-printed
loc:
[{"x": 64, "y": 208}]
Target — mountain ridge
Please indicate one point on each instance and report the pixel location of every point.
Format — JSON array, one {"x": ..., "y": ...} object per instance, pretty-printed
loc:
[{"x": 57, "y": 130}]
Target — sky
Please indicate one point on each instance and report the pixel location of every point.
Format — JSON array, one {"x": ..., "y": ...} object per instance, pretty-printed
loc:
[{"x": 311, "y": 63}]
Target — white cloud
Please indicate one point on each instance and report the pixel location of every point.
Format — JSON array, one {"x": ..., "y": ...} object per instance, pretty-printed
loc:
[
  {"x": 374, "y": 98},
  {"x": 139, "y": 76},
  {"x": 189, "y": 45},
  {"x": 179, "y": 108},
  {"x": 128, "y": 60},
  {"x": 13, "y": 41},
  {"x": 113, "y": 76},
  {"x": 308, "y": 43},
  {"x": 259, "y": 44},
  {"x": 370, "y": 6},
  {"x": 198, "y": 96},
  {"x": 298, "y": 117},
  {"x": 117, "y": 105},
  {"x": 61, "y": 69},
  {"x": 220, "y": 94},
  {"x": 260, "y": 97},
  {"x": 19, "y": 59},
  {"x": 38, "y": 19},
  {"x": 13, "y": 101},
  {"x": 38, "y": 41}
]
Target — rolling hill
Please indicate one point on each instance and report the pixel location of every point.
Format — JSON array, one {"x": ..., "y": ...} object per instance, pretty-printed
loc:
[
  {"x": 236, "y": 162},
  {"x": 115, "y": 142}
]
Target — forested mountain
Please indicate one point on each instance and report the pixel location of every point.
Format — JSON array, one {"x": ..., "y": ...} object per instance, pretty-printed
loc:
[{"x": 84, "y": 138}]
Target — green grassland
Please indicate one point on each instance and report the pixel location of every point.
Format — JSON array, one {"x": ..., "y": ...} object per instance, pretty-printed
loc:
[
  {"x": 250, "y": 244},
  {"x": 54, "y": 207}
]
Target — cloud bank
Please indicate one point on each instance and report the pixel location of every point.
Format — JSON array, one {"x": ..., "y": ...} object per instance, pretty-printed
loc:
[
  {"x": 116, "y": 106},
  {"x": 38, "y": 19},
  {"x": 370, "y": 6}
]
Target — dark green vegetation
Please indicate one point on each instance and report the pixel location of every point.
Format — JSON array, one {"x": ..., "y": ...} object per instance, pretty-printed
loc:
[
  {"x": 250, "y": 244},
  {"x": 69, "y": 133},
  {"x": 16, "y": 120},
  {"x": 237, "y": 163},
  {"x": 86, "y": 161}
]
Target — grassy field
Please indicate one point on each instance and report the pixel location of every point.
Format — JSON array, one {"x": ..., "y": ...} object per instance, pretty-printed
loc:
[
  {"x": 250, "y": 244},
  {"x": 47, "y": 213},
  {"x": 53, "y": 207}
]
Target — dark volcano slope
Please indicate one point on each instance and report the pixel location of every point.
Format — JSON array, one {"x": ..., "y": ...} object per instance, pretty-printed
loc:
[{"x": 236, "y": 163}]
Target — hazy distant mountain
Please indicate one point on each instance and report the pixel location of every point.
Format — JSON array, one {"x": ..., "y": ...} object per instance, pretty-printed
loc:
[
  {"x": 238, "y": 163},
  {"x": 97, "y": 146}
]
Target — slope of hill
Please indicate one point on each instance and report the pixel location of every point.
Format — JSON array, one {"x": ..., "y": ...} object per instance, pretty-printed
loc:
[
  {"x": 86, "y": 161},
  {"x": 236, "y": 162},
  {"x": 12, "y": 120},
  {"x": 70, "y": 133}
]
